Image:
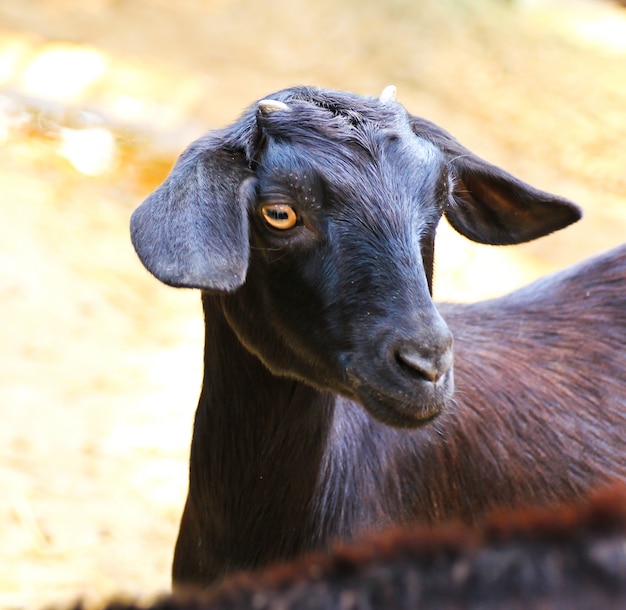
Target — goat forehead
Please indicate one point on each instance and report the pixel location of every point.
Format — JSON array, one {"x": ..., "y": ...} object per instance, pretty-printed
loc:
[
  {"x": 347, "y": 121},
  {"x": 333, "y": 116},
  {"x": 375, "y": 163}
]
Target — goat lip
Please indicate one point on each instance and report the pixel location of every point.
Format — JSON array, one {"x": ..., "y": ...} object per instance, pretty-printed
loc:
[
  {"x": 401, "y": 410},
  {"x": 405, "y": 407},
  {"x": 397, "y": 415}
]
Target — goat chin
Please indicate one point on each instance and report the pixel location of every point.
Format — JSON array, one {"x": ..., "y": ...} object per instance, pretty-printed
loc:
[
  {"x": 309, "y": 225},
  {"x": 412, "y": 408}
]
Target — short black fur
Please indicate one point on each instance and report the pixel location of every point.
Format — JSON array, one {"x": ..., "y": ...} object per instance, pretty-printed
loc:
[{"x": 327, "y": 406}]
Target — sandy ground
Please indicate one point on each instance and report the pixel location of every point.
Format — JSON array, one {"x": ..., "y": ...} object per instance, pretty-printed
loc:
[{"x": 101, "y": 364}]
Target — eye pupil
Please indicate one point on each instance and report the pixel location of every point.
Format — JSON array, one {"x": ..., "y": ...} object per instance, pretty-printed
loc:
[{"x": 279, "y": 215}]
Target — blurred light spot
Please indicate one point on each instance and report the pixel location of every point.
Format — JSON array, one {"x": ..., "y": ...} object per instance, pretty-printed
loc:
[
  {"x": 13, "y": 52},
  {"x": 593, "y": 24},
  {"x": 608, "y": 31},
  {"x": 91, "y": 151},
  {"x": 64, "y": 71}
]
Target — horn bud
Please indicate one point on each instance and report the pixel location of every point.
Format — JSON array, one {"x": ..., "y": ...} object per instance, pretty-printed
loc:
[
  {"x": 389, "y": 94},
  {"x": 268, "y": 106}
]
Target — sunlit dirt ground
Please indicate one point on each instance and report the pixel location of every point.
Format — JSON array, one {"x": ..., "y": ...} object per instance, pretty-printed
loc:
[{"x": 100, "y": 364}]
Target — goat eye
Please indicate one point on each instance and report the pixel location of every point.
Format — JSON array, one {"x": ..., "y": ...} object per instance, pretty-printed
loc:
[{"x": 279, "y": 215}]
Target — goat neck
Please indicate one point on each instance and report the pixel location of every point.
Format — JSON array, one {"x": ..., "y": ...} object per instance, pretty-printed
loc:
[{"x": 255, "y": 456}]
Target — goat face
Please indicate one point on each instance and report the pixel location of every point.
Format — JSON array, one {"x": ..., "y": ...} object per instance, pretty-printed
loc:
[
  {"x": 337, "y": 283},
  {"x": 313, "y": 221}
]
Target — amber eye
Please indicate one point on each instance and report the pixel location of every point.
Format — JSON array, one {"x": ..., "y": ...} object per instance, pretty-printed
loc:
[{"x": 279, "y": 215}]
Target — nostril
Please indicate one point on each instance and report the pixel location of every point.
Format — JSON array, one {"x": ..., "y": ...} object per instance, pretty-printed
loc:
[{"x": 430, "y": 368}]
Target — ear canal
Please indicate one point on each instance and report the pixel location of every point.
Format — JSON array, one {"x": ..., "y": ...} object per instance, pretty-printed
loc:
[
  {"x": 491, "y": 206},
  {"x": 193, "y": 230}
]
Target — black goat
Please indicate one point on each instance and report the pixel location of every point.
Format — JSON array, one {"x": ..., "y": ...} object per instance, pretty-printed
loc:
[
  {"x": 309, "y": 225},
  {"x": 570, "y": 558}
]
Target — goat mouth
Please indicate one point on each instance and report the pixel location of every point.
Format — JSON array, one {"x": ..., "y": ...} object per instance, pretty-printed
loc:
[
  {"x": 405, "y": 409},
  {"x": 401, "y": 418}
]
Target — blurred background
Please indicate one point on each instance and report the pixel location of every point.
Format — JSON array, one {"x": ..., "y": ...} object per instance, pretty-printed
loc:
[{"x": 100, "y": 364}]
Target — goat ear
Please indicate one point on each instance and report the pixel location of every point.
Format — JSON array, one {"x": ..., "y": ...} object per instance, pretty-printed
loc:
[
  {"x": 490, "y": 205},
  {"x": 192, "y": 231}
]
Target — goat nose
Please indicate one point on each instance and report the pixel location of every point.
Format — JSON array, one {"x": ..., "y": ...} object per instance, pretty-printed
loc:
[{"x": 429, "y": 364}]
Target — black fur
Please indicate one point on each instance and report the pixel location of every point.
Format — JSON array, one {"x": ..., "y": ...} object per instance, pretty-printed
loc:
[{"x": 306, "y": 326}]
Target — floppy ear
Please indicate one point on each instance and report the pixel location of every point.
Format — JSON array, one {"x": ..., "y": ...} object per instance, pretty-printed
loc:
[
  {"x": 490, "y": 205},
  {"x": 193, "y": 230}
]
